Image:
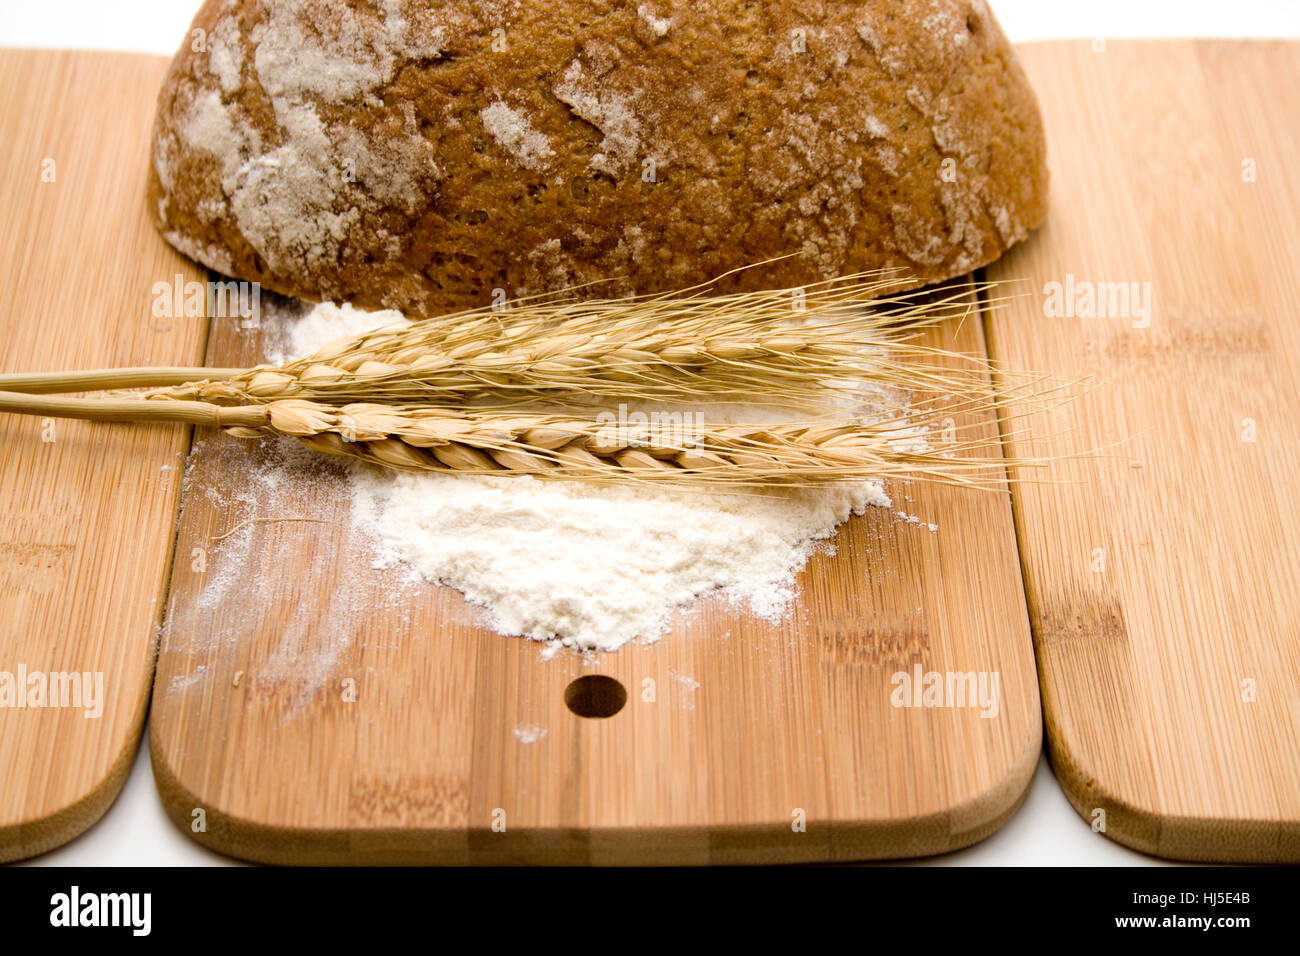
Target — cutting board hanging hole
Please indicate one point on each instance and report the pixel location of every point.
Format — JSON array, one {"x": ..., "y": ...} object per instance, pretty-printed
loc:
[{"x": 595, "y": 696}]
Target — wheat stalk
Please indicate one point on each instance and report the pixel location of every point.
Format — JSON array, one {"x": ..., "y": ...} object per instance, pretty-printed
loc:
[
  {"x": 805, "y": 347},
  {"x": 452, "y": 441},
  {"x": 401, "y": 398}
]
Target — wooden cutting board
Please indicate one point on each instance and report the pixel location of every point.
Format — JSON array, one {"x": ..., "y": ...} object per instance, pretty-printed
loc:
[
  {"x": 1169, "y": 673},
  {"x": 86, "y": 512},
  {"x": 1162, "y": 580},
  {"x": 750, "y": 728},
  {"x": 305, "y": 714}
]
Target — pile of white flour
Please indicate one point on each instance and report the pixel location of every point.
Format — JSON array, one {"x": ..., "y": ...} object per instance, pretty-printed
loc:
[{"x": 579, "y": 564}]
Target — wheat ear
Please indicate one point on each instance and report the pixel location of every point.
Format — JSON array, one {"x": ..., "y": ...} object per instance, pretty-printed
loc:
[
  {"x": 546, "y": 446},
  {"x": 791, "y": 347}
]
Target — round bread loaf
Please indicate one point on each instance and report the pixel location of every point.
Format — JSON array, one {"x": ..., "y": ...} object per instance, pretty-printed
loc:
[{"x": 422, "y": 155}]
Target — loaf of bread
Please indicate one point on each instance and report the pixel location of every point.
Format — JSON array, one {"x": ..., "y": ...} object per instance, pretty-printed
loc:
[{"x": 422, "y": 154}]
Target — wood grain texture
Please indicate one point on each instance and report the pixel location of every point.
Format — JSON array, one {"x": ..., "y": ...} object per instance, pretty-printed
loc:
[
  {"x": 1162, "y": 585},
  {"x": 750, "y": 722},
  {"x": 87, "y": 518}
]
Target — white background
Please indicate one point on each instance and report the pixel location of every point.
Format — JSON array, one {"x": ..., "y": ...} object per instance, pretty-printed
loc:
[{"x": 1046, "y": 831}]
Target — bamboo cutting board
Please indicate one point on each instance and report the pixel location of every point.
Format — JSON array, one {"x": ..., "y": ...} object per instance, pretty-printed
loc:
[
  {"x": 1162, "y": 582},
  {"x": 305, "y": 714},
  {"x": 86, "y": 511},
  {"x": 288, "y": 726}
]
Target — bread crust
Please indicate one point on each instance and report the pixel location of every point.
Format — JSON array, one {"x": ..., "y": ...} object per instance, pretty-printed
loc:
[{"x": 420, "y": 155}]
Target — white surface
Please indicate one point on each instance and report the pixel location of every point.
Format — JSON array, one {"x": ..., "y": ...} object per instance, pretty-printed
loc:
[
  {"x": 158, "y": 26},
  {"x": 1046, "y": 831}
]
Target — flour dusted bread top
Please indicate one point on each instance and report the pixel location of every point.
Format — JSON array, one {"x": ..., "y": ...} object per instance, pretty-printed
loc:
[{"x": 418, "y": 155}]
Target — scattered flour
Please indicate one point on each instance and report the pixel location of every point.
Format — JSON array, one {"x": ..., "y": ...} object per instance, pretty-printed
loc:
[
  {"x": 875, "y": 128},
  {"x": 572, "y": 563},
  {"x": 529, "y": 733},
  {"x": 688, "y": 685},
  {"x": 608, "y": 111},
  {"x": 659, "y": 25},
  {"x": 262, "y": 496},
  {"x": 595, "y": 567},
  {"x": 328, "y": 322},
  {"x": 516, "y": 135}
]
